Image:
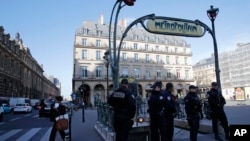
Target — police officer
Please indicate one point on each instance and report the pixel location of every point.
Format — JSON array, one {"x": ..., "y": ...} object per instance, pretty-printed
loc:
[
  {"x": 169, "y": 111},
  {"x": 123, "y": 102},
  {"x": 193, "y": 110},
  {"x": 157, "y": 104},
  {"x": 216, "y": 102}
]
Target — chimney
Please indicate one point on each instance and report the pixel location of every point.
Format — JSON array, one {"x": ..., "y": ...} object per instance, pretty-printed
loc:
[
  {"x": 100, "y": 21},
  {"x": 124, "y": 22}
]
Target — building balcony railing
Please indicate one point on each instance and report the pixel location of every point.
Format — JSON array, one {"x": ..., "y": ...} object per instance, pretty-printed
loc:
[{"x": 139, "y": 77}]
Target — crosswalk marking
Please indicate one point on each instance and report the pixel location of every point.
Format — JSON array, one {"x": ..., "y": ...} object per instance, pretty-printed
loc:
[
  {"x": 9, "y": 134},
  {"x": 46, "y": 135},
  {"x": 29, "y": 134},
  {"x": 35, "y": 116}
]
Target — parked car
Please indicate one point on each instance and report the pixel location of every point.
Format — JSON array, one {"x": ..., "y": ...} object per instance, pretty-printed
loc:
[
  {"x": 1, "y": 113},
  {"x": 7, "y": 108},
  {"x": 45, "y": 111},
  {"x": 25, "y": 107},
  {"x": 35, "y": 103}
]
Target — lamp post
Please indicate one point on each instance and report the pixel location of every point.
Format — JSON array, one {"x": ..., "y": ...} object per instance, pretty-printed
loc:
[
  {"x": 114, "y": 60},
  {"x": 212, "y": 13},
  {"x": 106, "y": 57}
]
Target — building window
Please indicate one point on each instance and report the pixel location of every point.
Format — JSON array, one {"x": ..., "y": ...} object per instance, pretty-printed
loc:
[
  {"x": 98, "y": 55},
  {"x": 137, "y": 73},
  {"x": 85, "y": 31},
  {"x": 158, "y": 73},
  {"x": 98, "y": 72},
  {"x": 135, "y": 37},
  {"x": 123, "y": 45},
  {"x": 136, "y": 57},
  {"x": 124, "y": 57},
  {"x": 99, "y": 33},
  {"x": 135, "y": 46},
  {"x": 124, "y": 72},
  {"x": 157, "y": 48},
  {"x": 187, "y": 76},
  {"x": 146, "y": 38},
  {"x": 147, "y": 58},
  {"x": 148, "y": 73},
  {"x": 167, "y": 60},
  {"x": 157, "y": 58},
  {"x": 184, "y": 51},
  {"x": 168, "y": 73},
  {"x": 185, "y": 60},
  {"x": 146, "y": 47},
  {"x": 98, "y": 43},
  {"x": 176, "y": 50},
  {"x": 84, "y": 54},
  {"x": 178, "y": 74},
  {"x": 176, "y": 60},
  {"x": 84, "y": 71},
  {"x": 166, "y": 49},
  {"x": 84, "y": 42}
]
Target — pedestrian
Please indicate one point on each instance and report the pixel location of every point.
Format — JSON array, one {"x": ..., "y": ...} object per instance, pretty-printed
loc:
[
  {"x": 42, "y": 106},
  {"x": 57, "y": 109},
  {"x": 139, "y": 103},
  {"x": 123, "y": 102},
  {"x": 193, "y": 108},
  {"x": 169, "y": 110},
  {"x": 156, "y": 106},
  {"x": 216, "y": 102}
]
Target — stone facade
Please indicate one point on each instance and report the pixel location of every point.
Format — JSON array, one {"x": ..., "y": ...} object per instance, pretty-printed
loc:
[
  {"x": 144, "y": 56},
  {"x": 20, "y": 74}
]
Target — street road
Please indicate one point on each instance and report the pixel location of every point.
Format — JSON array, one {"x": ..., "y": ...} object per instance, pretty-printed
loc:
[{"x": 29, "y": 127}]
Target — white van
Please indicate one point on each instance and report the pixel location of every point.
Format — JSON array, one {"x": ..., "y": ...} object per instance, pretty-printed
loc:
[{"x": 18, "y": 100}]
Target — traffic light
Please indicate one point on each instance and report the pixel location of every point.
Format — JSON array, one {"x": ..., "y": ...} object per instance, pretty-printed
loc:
[{"x": 129, "y": 2}]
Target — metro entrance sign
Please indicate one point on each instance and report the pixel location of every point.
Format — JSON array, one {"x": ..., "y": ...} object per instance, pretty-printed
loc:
[{"x": 173, "y": 26}]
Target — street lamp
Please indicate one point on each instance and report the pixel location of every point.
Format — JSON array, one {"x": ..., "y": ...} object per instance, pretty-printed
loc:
[
  {"x": 106, "y": 57},
  {"x": 114, "y": 59},
  {"x": 212, "y": 13}
]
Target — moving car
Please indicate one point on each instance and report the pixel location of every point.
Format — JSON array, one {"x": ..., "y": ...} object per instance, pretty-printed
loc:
[
  {"x": 7, "y": 108},
  {"x": 45, "y": 111},
  {"x": 25, "y": 107}
]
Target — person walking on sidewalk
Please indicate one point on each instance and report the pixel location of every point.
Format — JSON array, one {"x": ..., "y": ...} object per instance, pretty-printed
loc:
[
  {"x": 216, "y": 102},
  {"x": 57, "y": 109},
  {"x": 193, "y": 110},
  {"x": 156, "y": 106},
  {"x": 169, "y": 111},
  {"x": 123, "y": 102}
]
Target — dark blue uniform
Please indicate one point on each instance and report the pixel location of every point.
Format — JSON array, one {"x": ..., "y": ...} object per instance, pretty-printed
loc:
[
  {"x": 157, "y": 104},
  {"x": 169, "y": 111},
  {"x": 124, "y": 106},
  {"x": 216, "y": 102},
  {"x": 193, "y": 110}
]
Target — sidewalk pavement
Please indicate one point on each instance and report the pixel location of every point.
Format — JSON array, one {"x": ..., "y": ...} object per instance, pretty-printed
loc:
[{"x": 87, "y": 131}]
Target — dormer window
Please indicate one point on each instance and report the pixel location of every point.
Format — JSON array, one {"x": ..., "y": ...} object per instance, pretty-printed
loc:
[
  {"x": 85, "y": 31},
  {"x": 99, "y": 33},
  {"x": 135, "y": 37}
]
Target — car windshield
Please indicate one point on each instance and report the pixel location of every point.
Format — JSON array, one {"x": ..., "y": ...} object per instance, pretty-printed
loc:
[{"x": 49, "y": 102}]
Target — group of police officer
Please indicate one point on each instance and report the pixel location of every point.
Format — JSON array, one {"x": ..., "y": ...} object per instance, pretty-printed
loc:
[
  {"x": 161, "y": 109},
  {"x": 193, "y": 108}
]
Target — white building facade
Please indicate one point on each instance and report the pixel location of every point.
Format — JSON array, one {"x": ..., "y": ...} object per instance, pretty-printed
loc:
[{"x": 144, "y": 56}]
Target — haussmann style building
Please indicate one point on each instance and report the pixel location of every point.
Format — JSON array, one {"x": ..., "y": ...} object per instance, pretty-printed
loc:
[{"x": 144, "y": 56}]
